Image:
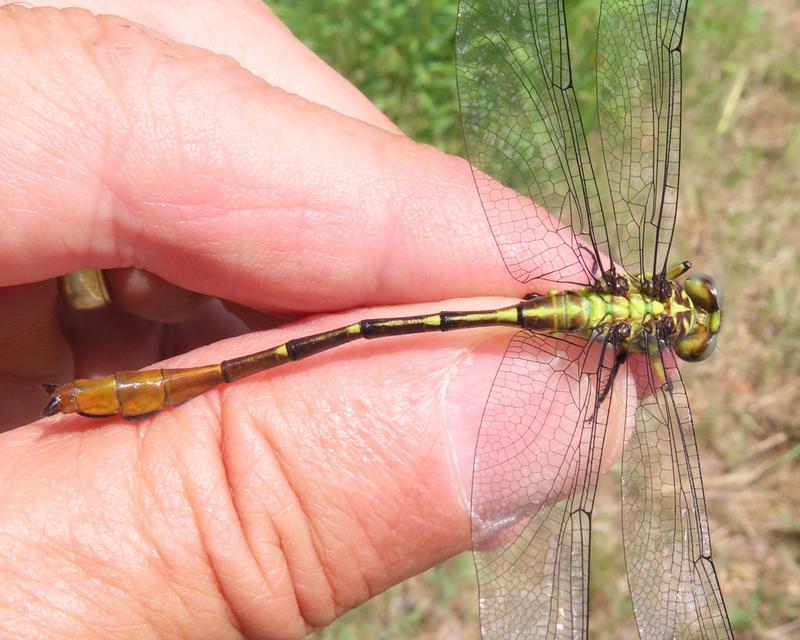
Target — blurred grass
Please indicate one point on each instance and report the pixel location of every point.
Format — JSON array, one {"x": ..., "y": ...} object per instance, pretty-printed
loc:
[
  {"x": 739, "y": 220},
  {"x": 400, "y": 54}
]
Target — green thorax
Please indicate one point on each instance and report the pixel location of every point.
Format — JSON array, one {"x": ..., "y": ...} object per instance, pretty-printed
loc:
[{"x": 588, "y": 310}]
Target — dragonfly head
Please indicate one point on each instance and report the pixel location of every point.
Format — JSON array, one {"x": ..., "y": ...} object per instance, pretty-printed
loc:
[{"x": 700, "y": 342}]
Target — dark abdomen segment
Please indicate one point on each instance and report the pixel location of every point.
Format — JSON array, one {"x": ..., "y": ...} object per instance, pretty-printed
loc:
[{"x": 306, "y": 346}]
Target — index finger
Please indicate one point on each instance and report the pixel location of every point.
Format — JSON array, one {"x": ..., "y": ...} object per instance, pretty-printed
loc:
[
  {"x": 169, "y": 158},
  {"x": 248, "y": 31}
]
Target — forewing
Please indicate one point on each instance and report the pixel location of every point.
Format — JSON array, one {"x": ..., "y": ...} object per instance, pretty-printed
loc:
[
  {"x": 536, "y": 466},
  {"x": 672, "y": 579},
  {"x": 522, "y": 128},
  {"x": 639, "y": 103}
]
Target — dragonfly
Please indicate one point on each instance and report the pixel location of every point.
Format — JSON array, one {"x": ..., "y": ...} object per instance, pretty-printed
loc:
[{"x": 616, "y": 318}]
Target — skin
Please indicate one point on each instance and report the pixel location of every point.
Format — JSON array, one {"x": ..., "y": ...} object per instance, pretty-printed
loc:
[{"x": 200, "y": 143}]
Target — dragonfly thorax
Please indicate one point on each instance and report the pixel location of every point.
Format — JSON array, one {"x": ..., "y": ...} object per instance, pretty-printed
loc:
[{"x": 688, "y": 317}]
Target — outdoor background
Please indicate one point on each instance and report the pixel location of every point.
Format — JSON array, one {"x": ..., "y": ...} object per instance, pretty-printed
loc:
[{"x": 740, "y": 200}]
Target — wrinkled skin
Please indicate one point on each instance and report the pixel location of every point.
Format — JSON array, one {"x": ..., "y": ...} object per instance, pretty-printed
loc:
[{"x": 201, "y": 143}]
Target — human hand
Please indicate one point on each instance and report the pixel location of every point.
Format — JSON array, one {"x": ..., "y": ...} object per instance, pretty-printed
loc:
[{"x": 272, "y": 506}]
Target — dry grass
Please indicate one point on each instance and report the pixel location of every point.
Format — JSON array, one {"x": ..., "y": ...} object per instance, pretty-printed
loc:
[{"x": 742, "y": 192}]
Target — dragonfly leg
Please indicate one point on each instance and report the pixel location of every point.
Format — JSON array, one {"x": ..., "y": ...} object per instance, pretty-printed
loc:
[
  {"x": 656, "y": 338},
  {"x": 593, "y": 267},
  {"x": 676, "y": 271},
  {"x": 613, "y": 283},
  {"x": 621, "y": 357},
  {"x": 616, "y": 335}
]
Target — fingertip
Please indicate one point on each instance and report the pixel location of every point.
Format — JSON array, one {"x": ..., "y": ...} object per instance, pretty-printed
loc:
[{"x": 147, "y": 296}]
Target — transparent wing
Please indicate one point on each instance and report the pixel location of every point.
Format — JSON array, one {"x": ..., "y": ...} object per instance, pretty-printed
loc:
[
  {"x": 523, "y": 128},
  {"x": 533, "y": 488},
  {"x": 672, "y": 579},
  {"x": 639, "y": 103}
]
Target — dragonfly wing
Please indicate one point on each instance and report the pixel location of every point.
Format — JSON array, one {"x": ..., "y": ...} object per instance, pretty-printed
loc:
[
  {"x": 523, "y": 128},
  {"x": 672, "y": 579},
  {"x": 639, "y": 104},
  {"x": 536, "y": 467}
]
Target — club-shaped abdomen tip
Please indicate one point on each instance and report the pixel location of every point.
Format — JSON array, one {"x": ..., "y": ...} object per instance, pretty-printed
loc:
[{"x": 62, "y": 399}]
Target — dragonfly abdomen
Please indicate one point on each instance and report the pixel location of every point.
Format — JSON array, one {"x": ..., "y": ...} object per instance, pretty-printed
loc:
[
  {"x": 138, "y": 394},
  {"x": 306, "y": 346}
]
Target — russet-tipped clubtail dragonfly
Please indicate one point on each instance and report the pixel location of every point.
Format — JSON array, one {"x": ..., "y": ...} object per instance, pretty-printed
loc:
[{"x": 613, "y": 323}]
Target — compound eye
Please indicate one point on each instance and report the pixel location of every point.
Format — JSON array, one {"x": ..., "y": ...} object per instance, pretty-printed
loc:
[
  {"x": 696, "y": 346},
  {"x": 704, "y": 292}
]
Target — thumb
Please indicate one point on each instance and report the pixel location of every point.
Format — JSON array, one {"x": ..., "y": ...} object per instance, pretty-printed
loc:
[{"x": 271, "y": 506}]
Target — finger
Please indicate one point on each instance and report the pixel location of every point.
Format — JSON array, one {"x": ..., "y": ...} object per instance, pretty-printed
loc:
[
  {"x": 249, "y": 32},
  {"x": 112, "y": 340},
  {"x": 284, "y": 500},
  {"x": 33, "y": 349},
  {"x": 40, "y": 345},
  {"x": 148, "y": 296},
  {"x": 216, "y": 182}
]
